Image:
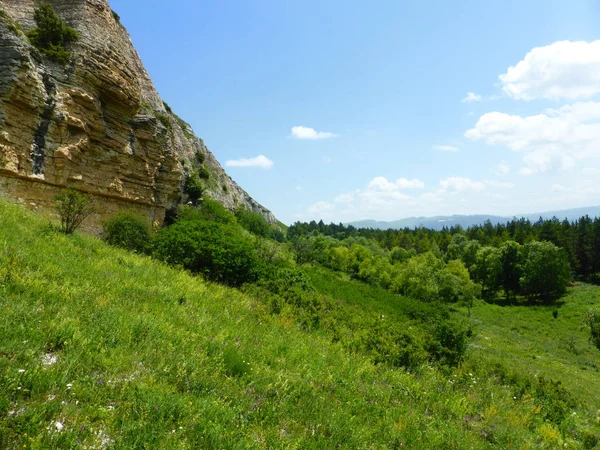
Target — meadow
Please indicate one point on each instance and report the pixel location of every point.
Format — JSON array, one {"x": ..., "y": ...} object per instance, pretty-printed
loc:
[{"x": 105, "y": 348}]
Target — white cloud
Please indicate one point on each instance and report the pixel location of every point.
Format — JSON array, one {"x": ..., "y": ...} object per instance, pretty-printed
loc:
[
  {"x": 445, "y": 148},
  {"x": 552, "y": 140},
  {"x": 383, "y": 199},
  {"x": 403, "y": 183},
  {"x": 307, "y": 133},
  {"x": 498, "y": 184},
  {"x": 298, "y": 187},
  {"x": 471, "y": 97},
  {"x": 320, "y": 207},
  {"x": 562, "y": 70},
  {"x": 503, "y": 168},
  {"x": 261, "y": 161},
  {"x": 591, "y": 171},
  {"x": 382, "y": 184},
  {"x": 458, "y": 184},
  {"x": 345, "y": 198},
  {"x": 559, "y": 188}
]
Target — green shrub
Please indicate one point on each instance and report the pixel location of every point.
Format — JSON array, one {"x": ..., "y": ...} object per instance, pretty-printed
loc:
[
  {"x": 253, "y": 222},
  {"x": 592, "y": 321},
  {"x": 192, "y": 187},
  {"x": 276, "y": 235},
  {"x": 129, "y": 231},
  {"x": 209, "y": 210},
  {"x": 115, "y": 16},
  {"x": 164, "y": 119},
  {"x": 215, "y": 250},
  {"x": 51, "y": 35},
  {"x": 73, "y": 208},
  {"x": 448, "y": 343},
  {"x": 389, "y": 344},
  {"x": 203, "y": 173}
]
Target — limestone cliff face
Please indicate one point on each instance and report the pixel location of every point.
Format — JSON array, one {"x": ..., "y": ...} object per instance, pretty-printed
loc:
[{"x": 96, "y": 124}]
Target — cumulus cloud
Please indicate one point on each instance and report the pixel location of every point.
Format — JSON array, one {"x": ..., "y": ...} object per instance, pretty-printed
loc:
[
  {"x": 445, "y": 148},
  {"x": 307, "y": 133},
  {"x": 261, "y": 161},
  {"x": 382, "y": 184},
  {"x": 471, "y": 97},
  {"x": 383, "y": 199},
  {"x": 458, "y": 184},
  {"x": 552, "y": 140},
  {"x": 563, "y": 70},
  {"x": 345, "y": 198},
  {"x": 320, "y": 207}
]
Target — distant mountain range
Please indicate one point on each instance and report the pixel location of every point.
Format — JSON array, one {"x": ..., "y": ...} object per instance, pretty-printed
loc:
[{"x": 438, "y": 222}]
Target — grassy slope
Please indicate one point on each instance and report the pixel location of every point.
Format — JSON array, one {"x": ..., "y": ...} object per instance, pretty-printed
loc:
[
  {"x": 150, "y": 357},
  {"x": 527, "y": 338},
  {"x": 537, "y": 344}
]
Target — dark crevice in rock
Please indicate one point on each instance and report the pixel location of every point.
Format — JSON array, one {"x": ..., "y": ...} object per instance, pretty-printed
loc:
[
  {"x": 132, "y": 142},
  {"x": 38, "y": 151}
]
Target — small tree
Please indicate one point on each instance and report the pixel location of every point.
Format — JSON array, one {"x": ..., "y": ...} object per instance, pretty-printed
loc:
[
  {"x": 73, "y": 208},
  {"x": 510, "y": 261},
  {"x": 545, "y": 270},
  {"x": 51, "y": 34},
  {"x": 592, "y": 321}
]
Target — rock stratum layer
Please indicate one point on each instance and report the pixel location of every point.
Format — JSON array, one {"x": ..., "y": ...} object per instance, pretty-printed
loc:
[{"x": 96, "y": 124}]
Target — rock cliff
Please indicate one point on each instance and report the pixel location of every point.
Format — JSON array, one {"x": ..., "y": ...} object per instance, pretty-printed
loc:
[{"x": 96, "y": 123}]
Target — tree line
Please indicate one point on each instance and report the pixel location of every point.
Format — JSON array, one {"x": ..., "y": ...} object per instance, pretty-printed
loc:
[{"x": 580, "y": 239}]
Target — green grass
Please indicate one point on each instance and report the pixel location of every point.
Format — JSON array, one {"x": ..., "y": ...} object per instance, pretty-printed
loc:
[
  {"x": 107, "y": 349},
  {"x": 537, "y": 344}
]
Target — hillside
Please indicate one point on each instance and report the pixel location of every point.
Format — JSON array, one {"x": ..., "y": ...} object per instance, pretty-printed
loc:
[
  {"x": 107, "y": 349},
  {"x": 94, "y": 121},
  {"x": 465, "y": 221}
]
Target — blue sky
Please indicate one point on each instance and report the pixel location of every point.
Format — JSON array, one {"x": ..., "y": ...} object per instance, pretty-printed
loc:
[{"x": 348, "y": 110}]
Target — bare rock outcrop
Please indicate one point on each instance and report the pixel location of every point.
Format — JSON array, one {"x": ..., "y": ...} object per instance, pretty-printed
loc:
[{"x": 97, "y": 123}]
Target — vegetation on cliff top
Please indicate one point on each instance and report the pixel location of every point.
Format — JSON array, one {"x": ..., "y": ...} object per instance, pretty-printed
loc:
[{"x": 51, "y": 36}]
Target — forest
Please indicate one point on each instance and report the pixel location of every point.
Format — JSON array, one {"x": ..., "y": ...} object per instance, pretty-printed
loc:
[{"x": 536, "y": 260}]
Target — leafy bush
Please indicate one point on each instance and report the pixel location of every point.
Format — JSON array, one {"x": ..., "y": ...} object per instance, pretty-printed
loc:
[
  {"x": 73, "y": 208},
  {"x": 164, "y": 119},
  {"x": 192, "y": 187},
  {"x": 390, "y": 344},
  {"x": 203, "y": 173},
  {"x": 115, "y": 16},
  {"x": 592, "y": 321},
  {"x": 215, "y": 250},
  {"x": 553, "y": 400},
  {"x": 253, "y": 222},
  {"x": 448, "y": 343},
  {"x": 208, "y": 210},
  {"x": 129, "y": 231},
  {"x": 51, "y": 34}
]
